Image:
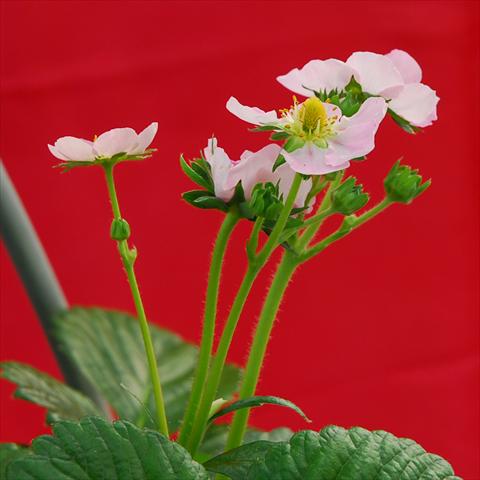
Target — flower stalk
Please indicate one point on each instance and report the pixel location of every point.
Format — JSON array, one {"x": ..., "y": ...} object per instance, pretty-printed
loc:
[
  {"x": 283, "y": 275},
  {"x": 256, "y": 263},
  {"x": 209, "y": 321},
  {"x": 128, "y": 256}
]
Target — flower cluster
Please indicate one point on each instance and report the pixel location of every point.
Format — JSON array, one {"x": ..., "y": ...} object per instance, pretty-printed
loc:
[{"x": 336, "y": 124}]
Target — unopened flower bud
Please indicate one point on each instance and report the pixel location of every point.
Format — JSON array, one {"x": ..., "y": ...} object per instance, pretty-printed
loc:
[
  {"x": 120, "y": 229},
  {"x": 265, "y": 201},
  {"x": 403, "y": 184},
  {"x": 348, "y": 197}
]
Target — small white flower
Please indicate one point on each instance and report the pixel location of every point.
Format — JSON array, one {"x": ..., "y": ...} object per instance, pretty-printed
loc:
[
  {"x": 107, "y": 145},
  {"x": 325, "y": 140},
  {"x": 252, "y": 168},
  {"x": 395, "y": 76}
]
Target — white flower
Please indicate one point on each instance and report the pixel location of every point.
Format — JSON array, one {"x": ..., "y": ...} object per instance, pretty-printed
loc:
[
  {"x": 325, "y": 140},
  {"x": 395, "y": 76},
  {"x": 251, "y": 169},
  {"x": 108, "y": 144}
]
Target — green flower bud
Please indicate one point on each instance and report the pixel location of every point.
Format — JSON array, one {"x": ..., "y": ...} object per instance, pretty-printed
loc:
[
  {"x": 265, "y": 201},
  {"x": 120, "y": 229},
  {"x": 347, "y": 198},
  {"x": 403, "y": 184}
]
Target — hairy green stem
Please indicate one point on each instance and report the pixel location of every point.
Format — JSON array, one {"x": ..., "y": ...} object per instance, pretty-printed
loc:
[
  {"x": 312, "y": 229},
  {"x": 210, "y": 314},
  {"x": 255, "y": 265},
  {"x": 128, "y": 258},
  {"x": 279, "y": 284},
  {"x": 266, "y": 321}
]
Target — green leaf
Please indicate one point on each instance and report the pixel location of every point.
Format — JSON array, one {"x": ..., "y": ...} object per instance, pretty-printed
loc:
[
  {"x": 8, "y": 453},
  {"x": 216, "y": 439},
  {"x": 333, "y": 454},
  {"x": 258, "y": 401},
  {"x": 108, "y": 348},
  {"x": 97, "y": 450},
  {"x": 193, "y": 175},
  {"x": 192, "y": 195},
  {"x": 61, "y": 401}
]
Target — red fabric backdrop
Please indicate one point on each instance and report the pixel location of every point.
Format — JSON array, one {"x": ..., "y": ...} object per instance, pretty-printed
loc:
[{"x": 381, "y": 330}]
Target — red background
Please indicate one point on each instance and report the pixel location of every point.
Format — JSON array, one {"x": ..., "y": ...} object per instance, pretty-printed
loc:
[{"x": 381, "y": 330}]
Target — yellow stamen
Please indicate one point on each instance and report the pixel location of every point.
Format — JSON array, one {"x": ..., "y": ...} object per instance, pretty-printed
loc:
[{"x": 313, "y": 114}]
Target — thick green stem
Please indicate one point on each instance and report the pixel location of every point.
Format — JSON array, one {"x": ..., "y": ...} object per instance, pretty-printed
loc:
[
  {"x": 255, "y": 265},
  {"x": 279, "y": 284},
  {"x": 219, "y": 361},
  {"x": 208, "y": 333},
  {"x": 128, "y": 258}
]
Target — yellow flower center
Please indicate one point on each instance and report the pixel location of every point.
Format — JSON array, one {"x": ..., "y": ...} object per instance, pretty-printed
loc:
[{"x": 313, "y": 114}]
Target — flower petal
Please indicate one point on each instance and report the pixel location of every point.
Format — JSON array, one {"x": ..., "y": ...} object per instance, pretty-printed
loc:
[
  {"x": 73, "y": 149},
  {"x": 416, "y": 103},
  {"x": 144, "y": 139},
  {"x": 285, "y": 175},
  {"x": 376, "y": 73},
  {"x": 318, "y": 75},
  {"x": 118, "y": 140},
  {"x": 407, "y": 66},
  {"x": 254, "y": 168},
  {"x": 311, "y": 160},
  {"x": 253, "y": 115},
  {"x": 356, "y": 134},
  {"x": 221, "y": 165}
]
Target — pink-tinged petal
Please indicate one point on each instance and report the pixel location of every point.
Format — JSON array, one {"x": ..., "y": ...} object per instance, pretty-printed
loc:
[
  {"x": 318, "y": 75},
  {"x": 56, "y": 153},
  {"x": 221, "y": 165},
  {"x": 285, "y": 175},
  {"x": 73, "y": 149},
  {"x": 355, "y": 136},
  {"x": 253, "y": 115},
  {"x": 376, "y": 73},
  {"x": 144, "y": 139},
  {"x": 417, "y": 103},
  {"x": 118, "y": 140},
  {"x": 311, "y": 160},
  {"x": 407, "y": 66},
  {"x": 254, "y": 168}
]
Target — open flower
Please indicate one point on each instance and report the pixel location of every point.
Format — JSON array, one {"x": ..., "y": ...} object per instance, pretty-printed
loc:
[
  {"x": 395, "y": 76},
  {"x": 109, "y": 144},
  {"x": 252, "y": 168},
  {"x": 320, "y": 139}
]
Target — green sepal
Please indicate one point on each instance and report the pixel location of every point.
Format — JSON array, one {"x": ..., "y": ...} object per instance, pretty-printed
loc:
[
  {"x": 279, "y": 136},
  {"x": 194, "y": 176},
  {"x": 348, "y": 197},
  {"x": 404, "y": 124},
  {"x": 293, "y": 143},
  {"x": 278, "y": 162},
  {"x": 264, "y": 128},
  {"x": 402, "y": 184},
  {"x": 209, "y": 202}
]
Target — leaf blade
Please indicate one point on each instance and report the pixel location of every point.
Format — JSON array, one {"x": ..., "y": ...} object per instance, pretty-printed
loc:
[{"x": 259, "y": 401}]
